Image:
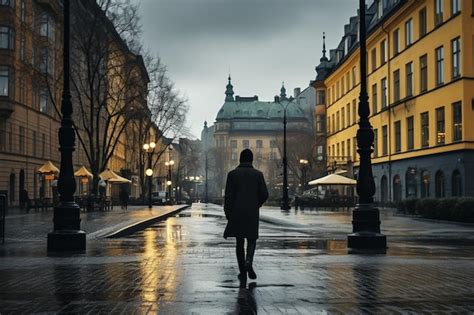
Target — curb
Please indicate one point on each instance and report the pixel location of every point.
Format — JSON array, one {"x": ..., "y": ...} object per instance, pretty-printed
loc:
[{"x": 141, "y": 225}]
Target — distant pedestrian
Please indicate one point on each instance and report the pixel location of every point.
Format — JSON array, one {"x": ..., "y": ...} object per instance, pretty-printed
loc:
[
  {"x": 245, "y": 193},
  {"x": 123, "y": 195}
]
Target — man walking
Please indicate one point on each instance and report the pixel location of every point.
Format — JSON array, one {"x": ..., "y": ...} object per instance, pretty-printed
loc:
[{"x": 245, "y": 193}]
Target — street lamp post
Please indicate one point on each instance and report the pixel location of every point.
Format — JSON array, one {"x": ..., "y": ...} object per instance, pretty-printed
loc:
[
  {"x": 365, "y": 217},
  {"x": 67, "y": 234},
  {"x": 169, "y": 182},
  {"x": 149, "y": 148},
  {"x": 304, "y": 165},
  {"x": 285, "y": 204}
]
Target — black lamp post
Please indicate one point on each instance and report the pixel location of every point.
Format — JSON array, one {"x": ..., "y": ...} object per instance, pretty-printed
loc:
[
  {"x": 304, "y": 168},
  {"x": 206, "y": 197},
  {"x": 169, "y": 182},
  {"x": 285, "y": 204},
  {"x": 149, "y": 147},
  {"x": 365, "y": 217},
  {"x": 67, "y": 234}
]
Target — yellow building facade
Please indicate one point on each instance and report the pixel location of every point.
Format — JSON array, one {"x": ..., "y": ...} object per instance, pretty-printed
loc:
[{"x": 421, "y": 96}]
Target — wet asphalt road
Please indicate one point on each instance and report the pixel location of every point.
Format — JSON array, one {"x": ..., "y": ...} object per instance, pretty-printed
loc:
[{"x": 184, "y": 266}]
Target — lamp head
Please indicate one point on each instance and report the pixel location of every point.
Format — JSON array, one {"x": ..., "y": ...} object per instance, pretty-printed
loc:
[
  {"x": 149, "y": 172},
  {"x": 168, "y": 183},
  {"x": 171, "y": 162},
  {"x": 152, "y": 145},
  {"x": 146, "y": 146}
]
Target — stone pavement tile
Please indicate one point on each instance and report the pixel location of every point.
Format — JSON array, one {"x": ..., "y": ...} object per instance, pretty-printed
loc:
[{"x": 183, "y": 265}]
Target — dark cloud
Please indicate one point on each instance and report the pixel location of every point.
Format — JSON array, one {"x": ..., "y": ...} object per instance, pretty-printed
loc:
[{"x": 261, "y": 42}]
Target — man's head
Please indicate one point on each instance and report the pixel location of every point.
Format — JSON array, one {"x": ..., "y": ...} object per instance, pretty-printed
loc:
[{"x": 246, "y": 156}]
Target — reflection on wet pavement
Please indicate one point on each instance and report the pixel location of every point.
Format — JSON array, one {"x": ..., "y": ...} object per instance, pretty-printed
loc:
[{"x": 183, "y": 265}]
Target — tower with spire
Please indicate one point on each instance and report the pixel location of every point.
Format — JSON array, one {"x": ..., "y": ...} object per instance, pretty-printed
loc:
[
  {"x": 283, "y": 91},
  {"x": 229, "y": 92},
  {"x": 324, "y": 66}
]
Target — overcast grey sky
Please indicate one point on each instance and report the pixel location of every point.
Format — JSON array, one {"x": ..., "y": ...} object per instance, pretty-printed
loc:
[{"x": 261, "y": 43}]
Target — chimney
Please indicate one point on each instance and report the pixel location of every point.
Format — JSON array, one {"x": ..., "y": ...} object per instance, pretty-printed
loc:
[{"x": 296, "y": 92}]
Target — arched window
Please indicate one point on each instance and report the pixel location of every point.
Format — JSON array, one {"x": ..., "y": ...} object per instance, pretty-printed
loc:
[
  {"x": 456, "y": 184},
  {"x": 425, "y": 184},
  {"x": 384, "y": 189},
  {"x": 439, "y": 185},
  {"x": 397, "y": 188},
  {"x": 410, "y": 182}
]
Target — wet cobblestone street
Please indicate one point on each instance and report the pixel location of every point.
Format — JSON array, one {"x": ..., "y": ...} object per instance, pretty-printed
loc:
[{"x": 184, "y": 266}]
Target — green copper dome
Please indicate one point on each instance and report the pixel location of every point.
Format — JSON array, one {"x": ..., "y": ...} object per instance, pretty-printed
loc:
[{"x": 259, "y": 110}]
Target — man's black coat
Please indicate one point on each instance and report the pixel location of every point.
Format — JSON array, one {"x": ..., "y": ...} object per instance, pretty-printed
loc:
[{"x": 245, "y": 193}]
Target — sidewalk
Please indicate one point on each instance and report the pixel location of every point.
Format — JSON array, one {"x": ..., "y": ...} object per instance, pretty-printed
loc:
[{"x": 35, "y": 226}]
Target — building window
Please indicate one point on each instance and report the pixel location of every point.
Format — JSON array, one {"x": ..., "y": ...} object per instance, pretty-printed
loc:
[
  {"x": 320, "y": 153},
  {"x": 343, "y": 149},
  {"x": 374, "y": 59},
  {"x": 422, "y": 21},
  {"x": 425, "y": 185},
  {"x": 6, "y": 37},
  {"x": 43, "y": 145},
  {"x": 259, "y": 144},
  {"x": 22, "y": 10},
  {"x": 46, "y": 61},
  {"x": 245, "y": 144},
  {"x": 4, "y": 80},
  {"x": 439, "y": 185},
  {"x": 425, "y": 129},
  {"x": 354, "y": 149},
  {"x": 47, "y": 27},
  {"x": 408, "y": 32},
  {"x": 7, "y": 3},
  {"x": 348, "y": 112},
  {"x": 354, "y": 112},
  {"x": 396, "y": 41},
  {"x": 423, "y": 73},
  {"x": 233, "y": 156},
  {"x": 321, "y": 97},
  {"x": 440, "y": 128},
  {"x": 374, "y": 99},
  {"x": 43, "y": 100},
  {"x": 456, "y": 57},
  {"x": 233, "y": 144},
  {"x": 383, "y": 88},
  {"x": 457, "y": 121},
  {"x": 456, "y": 184},
  {"x": 398, "y": 136},
  {"x": 409, "y": 79},
  {"x": 438, "y": 12},
  {"x": 376, "y": 140},
  {"x": 22, "y": 46},
  {"x": 396, "y": 85},
  {"x": 21, "y": 140},
  {"x": 338, "y": 125},
  {"x": 397, "y": 188},
  {"x": 383, "y": 52},
  {"x": 384, "y": 189},
  {"x": 455, "y": 7},
  {"x": 320, "y": 123},
  {"x": 349, "y": 149},
  {"x": 333, "y": 123},
  {"x": 273, "y": 156},
  {"x": 439, "y": 65},
  {"x": 410, "y": 179},
  {"x": 353, "y": 76},
  {"x": 384, "y": 140},
  {"x": 34, "y": 144},
  {"x": 410, "y": 133},
  {"x": 273, "y": 143},
  {"x": 343, "y": 119}
]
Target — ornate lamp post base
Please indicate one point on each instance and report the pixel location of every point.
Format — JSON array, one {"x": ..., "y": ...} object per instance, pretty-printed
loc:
[
  {"x": 366, "y": 229},
  {"x": 67, "y": 235}
]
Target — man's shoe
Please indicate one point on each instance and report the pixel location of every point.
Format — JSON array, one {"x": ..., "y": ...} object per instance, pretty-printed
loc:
[
  {"x": 250, "y": 271},
  {"x": 243, "y": 279}
]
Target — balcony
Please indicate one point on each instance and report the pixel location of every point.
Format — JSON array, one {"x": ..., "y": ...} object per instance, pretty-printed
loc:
[{"x": 6, "y": 107}]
